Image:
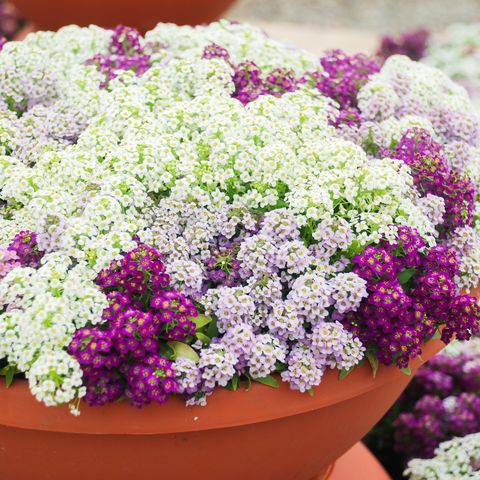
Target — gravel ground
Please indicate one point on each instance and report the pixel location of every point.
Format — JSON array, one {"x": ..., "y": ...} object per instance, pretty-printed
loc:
[{"x": 379, "y": 16}]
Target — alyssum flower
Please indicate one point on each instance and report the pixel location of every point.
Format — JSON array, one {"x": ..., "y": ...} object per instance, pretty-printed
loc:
[{"x": 203, "y": 207}]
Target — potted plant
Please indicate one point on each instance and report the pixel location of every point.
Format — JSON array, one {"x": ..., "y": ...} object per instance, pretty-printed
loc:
[
  {"x": 54, "y": 14},
  {"x": 206, "y": 215}
]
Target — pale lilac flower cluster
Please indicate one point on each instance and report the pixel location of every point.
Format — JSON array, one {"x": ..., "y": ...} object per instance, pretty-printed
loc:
[
  {"x": 304, "y": 371},
  {"x": 466, "y": 244},
  {"x": 267, "y": 350},
  {"x": 336, "y": 347}
]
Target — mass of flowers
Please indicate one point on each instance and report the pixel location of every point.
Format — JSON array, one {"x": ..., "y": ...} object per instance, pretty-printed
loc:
[
  {"x": 205, "y": 207},
  {"x": 456, "y": 459}
]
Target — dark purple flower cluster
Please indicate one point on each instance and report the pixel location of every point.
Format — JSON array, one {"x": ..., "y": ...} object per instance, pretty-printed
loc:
[
  {"x": 432, "y": 174},
  {"x": 125, "y": 41},
  {"x": 279, "y": 81},
  {"x": 3, "y": 41},
  {"x": 215, "y": 51},
  {"x": 341, "y": 80},
  {"x": 223, "y": 268},
  {"x": 410, "y": 295},
  {"x": 412, "y": 44},
  {"x": 250, "y": 82},
  {"x": 442, "y": 402},
  {"x": 121, "y": 356},
  {"x": 349, "y": 117},
  {"x": 25, "y": 247},
  {"x": 125, "y": 53}
]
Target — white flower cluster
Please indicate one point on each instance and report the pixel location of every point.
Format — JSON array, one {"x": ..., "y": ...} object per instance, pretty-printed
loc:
[
  {"x": 45, "y": 307},
  {"x": 243, "y": 42},
  {"x": 456, "y": 459},
  {"x": 44, "y": 78},
  {"x": 460, "y": 348}
]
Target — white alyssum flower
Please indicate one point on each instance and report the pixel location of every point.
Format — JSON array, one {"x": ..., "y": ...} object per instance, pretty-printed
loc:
[{"x": 456, "y": 459}]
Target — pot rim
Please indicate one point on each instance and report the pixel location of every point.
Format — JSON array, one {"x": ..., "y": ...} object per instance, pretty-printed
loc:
[{"x": 224, "y": 409}]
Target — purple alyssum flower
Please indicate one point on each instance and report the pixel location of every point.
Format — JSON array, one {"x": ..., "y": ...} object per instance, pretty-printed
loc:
[
  {"x": 412, "y": 44},
  {"x": 122, "y": 355},
  {"x": 411, "y": 293},
  {"x": 125, "y": 53}
]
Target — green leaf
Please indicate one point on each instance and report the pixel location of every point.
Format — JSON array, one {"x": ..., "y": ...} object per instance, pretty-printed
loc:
[
  {"x": 183, "y": 350},
  {"x": 203, "y": 338},
  {"x": 234, "y": 383},
  {"x": 406, "y": 371},
  {"x": 344, "y": 372},
  {"x": 249, "y": 383},
  {"x": 268, "y": 380},
  {"x": 166, "y": 351},
  {"x": 373, "y": 360},
  {"x": 280, "y": 367},
  {"x": 405, "y": 275},
  {"x": 311, "y": 392},
  {"x": 200, "y": 320},
  {"x": 212, "y": 330},
  {"x": 436, "y": 336},
  {"x": 9, "y": 371}
]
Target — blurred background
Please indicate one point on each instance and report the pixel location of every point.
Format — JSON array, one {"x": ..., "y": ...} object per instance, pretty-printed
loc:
[
  {"x": 353, "y": 25},
  {"x": 378, "y": 16}
]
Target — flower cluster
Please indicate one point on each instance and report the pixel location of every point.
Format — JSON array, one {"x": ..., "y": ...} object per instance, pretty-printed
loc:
[
  {"x": 341, "y": 79},
  {"x": 125, "y": 53},
  {"x": 249, "y": 80},
  {"x": 433, "y": 176},
  {"x": 412, "y": 44},
  {"x": 455, "y": 51},
  {"x": 466, "y": 245},
  {"x": 221, "y": 213},
  {"x": 23, "y": 251},
  {"x": 121, "y": 356},
  {"x": 445, "y": 403},
  {"x": 456, "y": 459},
  {"x": 410, "y": 294}
]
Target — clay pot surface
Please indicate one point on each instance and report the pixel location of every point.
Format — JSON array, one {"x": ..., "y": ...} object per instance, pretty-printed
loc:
[
  {"x": 142, "y": 14},
  {"x": 475, "y": 292},
  {"x": 262, "y": 434},
  {"x": 358, "y": 464}
]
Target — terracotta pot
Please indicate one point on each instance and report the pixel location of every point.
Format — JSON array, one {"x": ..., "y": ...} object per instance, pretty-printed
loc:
[
  {"x": 357, "y": 464},
  {"x": 475, "y": 292},
  {"x": 263, "y": 434},
  {"x": 24, "y": 31},
  {"x": 143, "y": 14}
]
